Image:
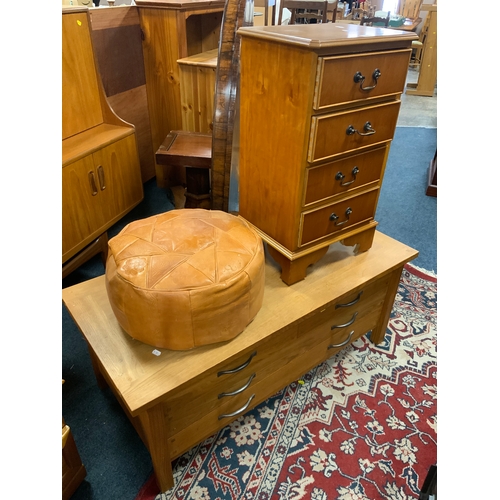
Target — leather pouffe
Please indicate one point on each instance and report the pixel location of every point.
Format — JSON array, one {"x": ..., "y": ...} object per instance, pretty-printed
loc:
[{"x": 185, "y": 278}]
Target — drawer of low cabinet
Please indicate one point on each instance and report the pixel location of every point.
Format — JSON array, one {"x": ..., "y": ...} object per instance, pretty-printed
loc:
[
  {"x": 347, "y": 312},
  {"x": 357, "y": 77},
  {"x": 336, "y": 133},
  {"x": 343, "y": 176},
  {"x": 335, "y": 217},
  {"x": 223, "y": 389}
]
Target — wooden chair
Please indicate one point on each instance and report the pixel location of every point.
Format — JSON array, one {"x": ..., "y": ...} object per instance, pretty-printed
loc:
[
  {"x": 207, "y": 157},
  {"x": 377, "y": 21},
  {"x": 305, "y": 11}
]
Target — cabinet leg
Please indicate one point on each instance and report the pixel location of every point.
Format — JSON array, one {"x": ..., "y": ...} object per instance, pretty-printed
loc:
[
  {"x": 295, "y": 270},
  {"x": 362, "y": 241},
  {"x": 378, "y": 333},
  {"x": 153, "y": 424}
]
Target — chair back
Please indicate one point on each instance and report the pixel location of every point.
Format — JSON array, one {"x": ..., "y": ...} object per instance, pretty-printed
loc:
[
  {"x": 375, "y": 21},
  {"x": 304, "y": 11}
]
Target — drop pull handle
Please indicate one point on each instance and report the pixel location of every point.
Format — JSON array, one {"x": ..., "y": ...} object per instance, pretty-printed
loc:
[
  {"x": 340, "y": 177},
  {"x": 367, "y": 127},
  {"x": 359, "y": 78},
  {"x": 238, "y": 368},
  {"x": 342, "y": 344},
  {"x": 335, "y": 217},
  {"x": 237, "y": 412}
]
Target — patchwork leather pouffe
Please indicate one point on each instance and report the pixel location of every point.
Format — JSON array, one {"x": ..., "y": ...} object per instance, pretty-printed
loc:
[{"x": 185, "y": 278}]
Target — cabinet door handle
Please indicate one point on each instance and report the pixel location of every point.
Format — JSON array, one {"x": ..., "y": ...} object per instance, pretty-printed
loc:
[
  {"x": 237, "y": 391},
  {"x": 340, "y": 177},
  {"x": 349, "y": 323},
  {"x": 100, "y": 173},
  {"x": 359, "y": 78},
  {"x": 93, "y": 186},
  {"x": 334, "y": 217},
  {"x": 237, "y": 412},
  {"x": 238, "y": 368},
  {"x": 349, "y": 304},
  {"x": 342, "y": 344},
  {"x": 367, "y": 127}
]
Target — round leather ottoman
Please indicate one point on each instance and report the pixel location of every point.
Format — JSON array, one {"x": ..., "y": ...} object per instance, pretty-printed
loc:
[{"x": 185, "y": 278}]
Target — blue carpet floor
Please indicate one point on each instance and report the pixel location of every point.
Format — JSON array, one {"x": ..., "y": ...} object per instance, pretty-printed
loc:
[{"x": 116, "y": 460}]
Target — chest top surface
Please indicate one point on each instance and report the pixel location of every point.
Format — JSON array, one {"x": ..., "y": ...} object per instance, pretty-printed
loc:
[
  {"x": 330, "y": 36},
  {"x": 132, "y": 366}
]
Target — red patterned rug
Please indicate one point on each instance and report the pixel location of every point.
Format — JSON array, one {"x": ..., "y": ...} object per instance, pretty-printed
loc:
[{"x": 360, "y": 426}]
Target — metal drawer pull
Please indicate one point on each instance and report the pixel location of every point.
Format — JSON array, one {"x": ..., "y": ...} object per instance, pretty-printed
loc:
[
  {"x": 100, "y": 172},
  {"x": 349, "y": 304},
  {"x": 340, "y": 177},
  {"x": 334, "y": 217},
  {"x": 237, "y": 369},
  {"x": 237, "y": 391},
  {"x": 350, "y": 322},
  {"x": 342, "y": 344},
  {"x": 93, "y": 186},
  {"x": 241, "y": 410},
  {"x": 359, "y": 78},
  {"x": 367, "y": 127}
]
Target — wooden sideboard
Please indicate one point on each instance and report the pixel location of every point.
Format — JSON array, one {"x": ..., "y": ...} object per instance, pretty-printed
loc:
[
  {"x": 318, "y": 110},
  {"x": 172, "y": 30},
  {"x": 178, "y": 398},
  {"x": 101, "y": 176}
]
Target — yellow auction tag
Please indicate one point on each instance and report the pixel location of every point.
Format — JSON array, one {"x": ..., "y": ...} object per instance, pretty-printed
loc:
[
  {"x": 301, "y": 382},
  {"x": 78, "y": 22}
]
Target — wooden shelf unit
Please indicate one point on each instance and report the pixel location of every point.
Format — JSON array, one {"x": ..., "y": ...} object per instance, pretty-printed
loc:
[{"x": 172, "y": 30}]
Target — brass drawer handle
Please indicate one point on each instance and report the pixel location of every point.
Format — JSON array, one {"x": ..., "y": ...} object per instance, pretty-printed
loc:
[
  {"x": 334, "y": 217},
  {"x": 340, "y": 177},
  {"x": 349, "y": 304},
  {"x": 359, "y": 78},
  {"x": 93, "y": 186},
  {"x": 238, "y": 368},
  {"x": 367, "y": 127},
  {"x": 237, "y": 391},
  {"x": 241, "y": 410},
  {"x": 100, "y": 173},
  {"x": 350, "y": 322},
  {"x": 342, "y": 344}
]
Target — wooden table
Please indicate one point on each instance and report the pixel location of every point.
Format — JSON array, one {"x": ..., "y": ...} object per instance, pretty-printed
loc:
[{"x": 178, "y": 398}]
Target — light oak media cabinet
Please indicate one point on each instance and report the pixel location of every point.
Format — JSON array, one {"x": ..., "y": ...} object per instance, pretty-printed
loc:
[{"x": 177, "y": 399}]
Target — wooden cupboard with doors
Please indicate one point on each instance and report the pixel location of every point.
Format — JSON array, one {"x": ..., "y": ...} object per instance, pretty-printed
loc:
[
  {"x": 172, "y": 30},
  {"x": 101, "y": 176},
  {"x": 318, "y": 110}
]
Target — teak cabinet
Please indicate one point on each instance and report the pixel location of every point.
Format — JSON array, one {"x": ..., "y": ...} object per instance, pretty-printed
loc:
[
  {"x": 101, "y": 176},
  {"x": 318, "y": 110}
]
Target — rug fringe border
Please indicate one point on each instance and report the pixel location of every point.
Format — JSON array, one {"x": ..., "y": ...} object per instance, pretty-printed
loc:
[{"x": 421, "y": 272}]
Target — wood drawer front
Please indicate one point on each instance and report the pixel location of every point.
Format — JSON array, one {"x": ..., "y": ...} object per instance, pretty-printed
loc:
[
  {"x": 350, "y": 309},
  {"x": 336, "y": 85},
  {"x": 343, "y": 176},
  {"x": 311, "y": 346},
  {"x": 329, "y": 135},
  {"x": 316, "y": 224}
]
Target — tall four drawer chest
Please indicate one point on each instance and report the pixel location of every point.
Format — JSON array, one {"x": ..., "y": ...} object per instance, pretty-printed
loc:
[{"x": 318, "y": 110}]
